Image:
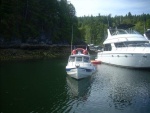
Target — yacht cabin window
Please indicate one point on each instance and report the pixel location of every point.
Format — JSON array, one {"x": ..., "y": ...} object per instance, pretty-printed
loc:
[
  {"x": 136, "y": 44},
  {"x": 119, "y": 45},
  {"x": 107, "y": 47},
  {"x": 132, "y": 44}
]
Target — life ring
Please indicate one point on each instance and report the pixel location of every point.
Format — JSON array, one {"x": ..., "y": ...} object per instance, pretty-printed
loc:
[
  {"x": 85, "y": 52},
  {"x": 74, "y": 52}
]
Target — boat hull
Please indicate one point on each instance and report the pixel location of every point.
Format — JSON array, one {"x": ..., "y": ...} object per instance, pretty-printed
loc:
[
  {"x": 95, "y": 62},
  {"x": 126, "y": 48},
  {"x": 79, "y": 73},
  {"x": 130, "y": 60}
]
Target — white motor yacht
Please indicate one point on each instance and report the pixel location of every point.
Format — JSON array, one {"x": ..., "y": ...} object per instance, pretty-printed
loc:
[
  {"x": 79, "y": 64},
  {"x": 125, "y": 48}
]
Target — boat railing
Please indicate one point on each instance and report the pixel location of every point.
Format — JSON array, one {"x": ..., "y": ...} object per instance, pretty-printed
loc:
[{"x": 123, "y": 31}]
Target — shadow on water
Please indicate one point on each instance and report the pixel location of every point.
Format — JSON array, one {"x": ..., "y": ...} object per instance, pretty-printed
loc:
[{"x": 32, "y": 86}]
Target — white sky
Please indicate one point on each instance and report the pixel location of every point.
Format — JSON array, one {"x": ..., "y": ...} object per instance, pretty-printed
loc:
[{"x": 113, "y": 7}]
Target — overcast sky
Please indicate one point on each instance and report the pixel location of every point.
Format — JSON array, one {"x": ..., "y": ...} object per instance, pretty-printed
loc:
[{"x": 113, "y": 7}]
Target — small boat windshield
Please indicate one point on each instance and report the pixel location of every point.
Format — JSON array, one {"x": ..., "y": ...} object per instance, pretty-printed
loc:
[
  {"x": 79, "y": 59},
  {"x": 86, "y": 59},
  {"x": 71, "y": 59},
  {"x": 122, "y": 31}
]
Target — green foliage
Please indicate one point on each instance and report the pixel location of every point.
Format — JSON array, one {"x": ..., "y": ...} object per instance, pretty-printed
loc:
[
  {"x": 33, "y": 18},
  {"x": 93, "y": 29}
]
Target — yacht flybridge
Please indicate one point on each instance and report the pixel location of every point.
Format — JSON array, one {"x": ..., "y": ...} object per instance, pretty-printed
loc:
[{"x": 125, "y": 47}]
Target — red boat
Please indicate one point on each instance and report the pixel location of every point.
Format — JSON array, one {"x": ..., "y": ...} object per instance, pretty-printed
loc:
[{"x": 95, "y": 62}]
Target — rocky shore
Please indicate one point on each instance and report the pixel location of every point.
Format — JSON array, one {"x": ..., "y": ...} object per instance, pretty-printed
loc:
[{"x": 35, "y": 52}]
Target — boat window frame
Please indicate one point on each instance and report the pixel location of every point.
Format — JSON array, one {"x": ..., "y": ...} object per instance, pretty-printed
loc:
[
  {"x": 132, "y": 44},
  {"x": 86, "y": 60},
  {"x": 119, "y": 45},
  {"x": 137, "y": 44},
  {"x": 79, "y": 60},
  {"x": 72, "y": 60}
]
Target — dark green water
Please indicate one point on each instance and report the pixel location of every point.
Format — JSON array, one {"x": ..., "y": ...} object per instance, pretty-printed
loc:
[{"x": 42, "y": 86}]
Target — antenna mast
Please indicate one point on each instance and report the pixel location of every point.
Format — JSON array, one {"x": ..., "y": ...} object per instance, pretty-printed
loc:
[
  {"x": 72, "y": 38},
  {"x": 108, "y": 21}
]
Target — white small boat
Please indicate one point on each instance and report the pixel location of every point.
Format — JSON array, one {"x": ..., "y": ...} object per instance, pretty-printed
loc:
[{"x": 79, "y": 64}]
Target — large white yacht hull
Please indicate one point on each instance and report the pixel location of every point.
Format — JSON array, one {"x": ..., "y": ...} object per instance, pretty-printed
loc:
[
  {"x": 125, "y": 47},
  {"x": 130, "y": 60}
]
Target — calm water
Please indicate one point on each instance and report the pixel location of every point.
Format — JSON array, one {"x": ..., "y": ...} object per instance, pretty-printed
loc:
[{"x": 42, "y": 86}]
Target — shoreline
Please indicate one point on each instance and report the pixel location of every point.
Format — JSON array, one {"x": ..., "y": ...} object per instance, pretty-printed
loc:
[
  {"x": 18, "y": 54},
  {"x": 35, "y": 52}
]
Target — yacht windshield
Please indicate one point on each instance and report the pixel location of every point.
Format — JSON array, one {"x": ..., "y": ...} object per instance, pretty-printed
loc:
[
  {"x": 130, "y": 31},
  {"x": 122, "y": 31}
]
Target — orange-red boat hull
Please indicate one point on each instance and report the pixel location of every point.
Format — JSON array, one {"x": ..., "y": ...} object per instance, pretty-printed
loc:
[{"x": 95, "y": 62}]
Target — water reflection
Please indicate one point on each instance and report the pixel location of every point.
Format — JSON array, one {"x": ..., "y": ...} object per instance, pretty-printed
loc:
[
  {"x": 79, "y": 88},
  {"x": 44, "y": 87},
  {"x": 126, "y": 88},
  {"x": 121, "y": 98}
]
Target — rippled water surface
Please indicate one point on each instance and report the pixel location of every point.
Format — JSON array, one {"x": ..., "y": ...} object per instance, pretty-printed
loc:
[{"x": 42, "y": 86}]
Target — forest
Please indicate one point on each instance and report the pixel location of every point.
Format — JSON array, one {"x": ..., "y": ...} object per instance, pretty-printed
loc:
[
  {"x": 94, "y": 29},
  {"x": 38, "y": 21},
  {"x": 54, "y": 21}
]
